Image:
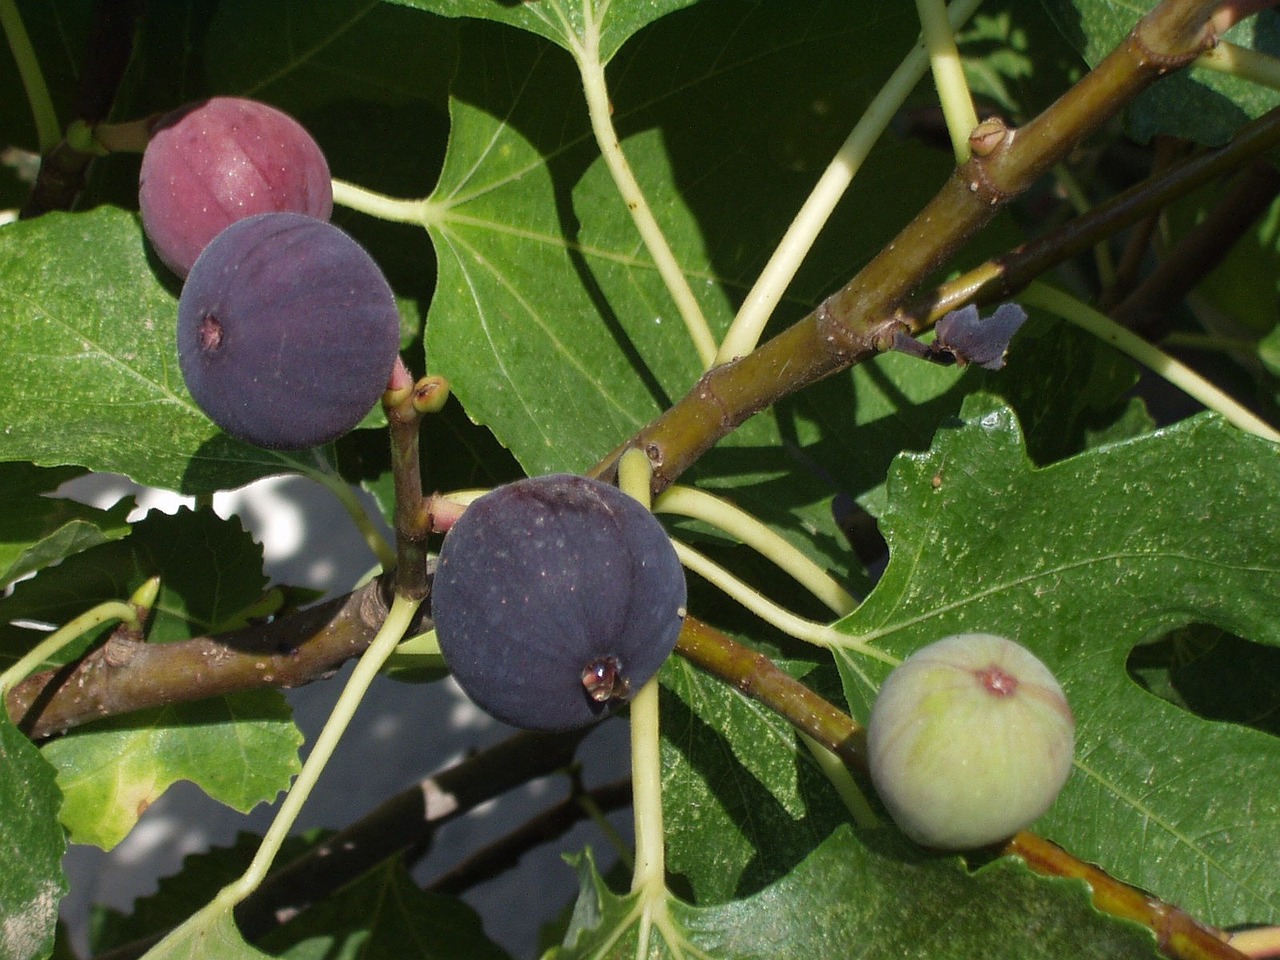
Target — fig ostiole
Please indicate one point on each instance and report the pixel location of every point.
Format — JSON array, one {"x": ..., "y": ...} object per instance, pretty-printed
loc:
[{"x": 969, "y": 741}]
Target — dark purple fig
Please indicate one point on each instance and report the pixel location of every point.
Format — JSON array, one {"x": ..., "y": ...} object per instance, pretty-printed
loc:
[
  {"x": 212, "y": 163},
  {"x": 555, "y": 599},
  {"x": 287, "y": 331}
]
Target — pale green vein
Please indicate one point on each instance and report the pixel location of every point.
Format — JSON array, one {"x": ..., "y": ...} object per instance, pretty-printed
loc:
[
  {"x": 628, "y": 415},
  {"x": 313, "y": 52},
  {"x": 1054, "y": 571},
  {"x": 1169, "y": 829}
]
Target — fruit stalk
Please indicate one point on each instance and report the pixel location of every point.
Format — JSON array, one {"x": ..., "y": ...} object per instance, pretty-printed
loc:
[{"x": 412, "y": 518}]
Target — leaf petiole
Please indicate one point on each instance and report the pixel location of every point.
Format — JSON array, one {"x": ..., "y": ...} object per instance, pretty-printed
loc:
[
  {"x": 48, "y": 130},
  {"x": 723, "y": 515},
  {"x": 218, "y": 910},
  {"x": 600, "y": 111},
  {"x": 325, "y": 475},
  {"x": 810, "y": 631},
  {"x": 1045, "y": 297},
  {"x": 67, "y": 633},
  {"x": 766, "y": 293},
  {"x": 1242, "y": 62},
  {"x": 421, "y": 212},
  {"x": 649, "y": 873},
  {"x": 948, "y": 75}
]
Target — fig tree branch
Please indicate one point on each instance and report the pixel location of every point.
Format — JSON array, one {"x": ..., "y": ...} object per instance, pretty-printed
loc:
[
  {"x": 289, "y": 652},
  {"x": 1003, "y": 276},
  {"x": 1148, "y": 308},
  {"x": 858, "y": 320},
  {"x": 405, "y": 823},
  {"x": 849, "y": 327},
  {"x": 1178, "y": 934}
]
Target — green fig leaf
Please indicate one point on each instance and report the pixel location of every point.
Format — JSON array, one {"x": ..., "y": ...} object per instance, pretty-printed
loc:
[
  {"x": 1082, "y": 561},
  {"x": 31, "y": 879},
  {"x": 868, "y": 895}
]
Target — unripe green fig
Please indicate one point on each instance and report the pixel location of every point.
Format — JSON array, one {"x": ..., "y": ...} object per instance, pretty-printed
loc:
[{"x": 969, "y": 741}]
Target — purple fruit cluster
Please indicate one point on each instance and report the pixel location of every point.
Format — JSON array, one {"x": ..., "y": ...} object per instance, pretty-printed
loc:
[
  {"x": 287, "y": 329},
  {"x": 555, "y": 600}
]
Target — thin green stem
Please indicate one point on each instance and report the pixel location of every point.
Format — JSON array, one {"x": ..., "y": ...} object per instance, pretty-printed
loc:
[
  {"x": 48, "y": 130},
  {"x": 1241, "y": 62},
  {"x": 393, "y": 629},
  {"x": 591, "y": 808},
  {"x": 67, "y": 633},
  {"x": 1210, "y": 342},
  {"x": 421, "y": 212},
  {"x": 837, "y": 772},
  {"x": 346, "y": 494},
  {"x": 810, "y": 631},
  {"x": 634, "y": 472},
  {"x": 649, "y": 873},
  {"x": 948, "y": 75},
  {"x": 733, "y": 520},
  {"x": 1067, "y": 307},
  {"x": 766, "y": 293},
  {"x": 600, "y": 111}
]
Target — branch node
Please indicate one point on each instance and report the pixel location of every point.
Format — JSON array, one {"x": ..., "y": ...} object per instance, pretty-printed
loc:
[{"x": 989, "y": 136}]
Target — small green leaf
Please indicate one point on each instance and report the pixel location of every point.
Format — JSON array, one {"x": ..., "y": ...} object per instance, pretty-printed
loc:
[
  {"x": 384, "y": 914},
  {"x": 31, "y": 880},
  {"x": 240, "y": 749},
  {"x": 38, "y": 531},
  {"x": 1082, "y": 561},
  {"x": 210, "y": 571}
]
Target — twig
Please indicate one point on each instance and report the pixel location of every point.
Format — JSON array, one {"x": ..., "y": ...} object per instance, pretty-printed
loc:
[
  {"x": 1147, "y": 309},
  {"x": 412, "y": 518},
  {"x": 290, "y": 652},
  {"x": 857, "y": 321},
  {"x": 1003, "y": 276}
]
